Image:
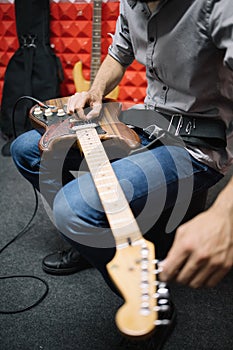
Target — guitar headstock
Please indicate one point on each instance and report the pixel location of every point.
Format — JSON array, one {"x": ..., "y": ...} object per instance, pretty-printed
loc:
[{"x": 134, "y": 271}]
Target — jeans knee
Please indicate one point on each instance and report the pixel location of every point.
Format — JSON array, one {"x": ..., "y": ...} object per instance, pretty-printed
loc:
[{"x": 24, "y": 149}]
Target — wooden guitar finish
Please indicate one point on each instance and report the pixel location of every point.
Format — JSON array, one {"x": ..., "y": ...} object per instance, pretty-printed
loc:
[
  {"x": 58, "y": 125},
  {"x": 133, "y": 267}
]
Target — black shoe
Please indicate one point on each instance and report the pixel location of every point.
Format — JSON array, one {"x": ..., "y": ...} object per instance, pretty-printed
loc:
[
  {"x": 6, "y": 152},
  {"x": 65, "y": 262}
]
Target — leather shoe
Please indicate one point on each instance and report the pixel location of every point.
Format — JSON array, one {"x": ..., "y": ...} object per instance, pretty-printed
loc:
[
  {"x": 64, "y": 262},
  {"x": 6, "y": 149}
]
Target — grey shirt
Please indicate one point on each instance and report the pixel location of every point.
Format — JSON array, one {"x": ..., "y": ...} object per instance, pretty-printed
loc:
[{"x": 187, "y": 48}]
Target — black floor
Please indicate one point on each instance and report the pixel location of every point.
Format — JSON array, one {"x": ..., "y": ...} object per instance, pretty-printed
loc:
[{"x": 78, "y": 312}]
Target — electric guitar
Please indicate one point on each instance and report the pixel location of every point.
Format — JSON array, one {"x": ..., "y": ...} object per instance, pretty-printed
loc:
[
  {"x": 82, "y": 84},
  {"x": 134, "y": 267}
]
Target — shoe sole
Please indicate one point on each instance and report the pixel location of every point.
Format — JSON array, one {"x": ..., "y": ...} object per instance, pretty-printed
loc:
[{"x": 60, "y": 272}]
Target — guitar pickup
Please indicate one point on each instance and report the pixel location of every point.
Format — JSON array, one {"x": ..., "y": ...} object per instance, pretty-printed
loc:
[{"x": 99, "y": 130}]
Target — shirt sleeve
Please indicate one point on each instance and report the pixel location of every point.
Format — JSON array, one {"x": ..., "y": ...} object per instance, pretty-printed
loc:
[
  {"x": 121, "y": 47},
  {"x": 221, "y": 28}
]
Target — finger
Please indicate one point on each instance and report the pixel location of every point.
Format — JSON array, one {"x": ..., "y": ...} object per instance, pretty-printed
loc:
[
  {"x": 216, "y": 277},
  {"x": 204, "y": 270},
  {"x": 95, "y": 112},
  {"x": 222, "y": 268},
  {"x": 177, "y": 256},
  {"x": 71, "y": 104},
  {"x": 76, "y": 102},
  {"x": 81, "y": 113},
  {"x": 195, "y": 274},
  {"x": 173, "y": 263}
]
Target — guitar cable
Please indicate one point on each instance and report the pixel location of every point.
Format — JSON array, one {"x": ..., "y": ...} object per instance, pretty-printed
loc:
[
  {"x": 26, "y": 227},
  {"x": 33, "y": 99}
]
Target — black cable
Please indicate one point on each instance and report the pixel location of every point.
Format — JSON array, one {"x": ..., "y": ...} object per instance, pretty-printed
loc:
[
  {"x": 37, "y": 302},
  {"x": 27, "y": 226},
  {"x": 41, "y": 104},
  {"x": 25, "y": 229}
]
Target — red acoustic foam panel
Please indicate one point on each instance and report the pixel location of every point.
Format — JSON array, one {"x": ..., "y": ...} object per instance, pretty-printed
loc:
[{"x": 71, "y": 40}]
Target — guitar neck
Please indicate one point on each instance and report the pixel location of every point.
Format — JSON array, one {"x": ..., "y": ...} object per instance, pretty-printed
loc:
[
  {"x": 121, "y": 220},
  {"x": 80, "y": 83},
  {"x": 96, "y": 38}
]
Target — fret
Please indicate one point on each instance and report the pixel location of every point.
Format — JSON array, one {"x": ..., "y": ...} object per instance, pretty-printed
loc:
[
  {"x": 104, "y": 185},
  {"x": 108, "y": 192}
]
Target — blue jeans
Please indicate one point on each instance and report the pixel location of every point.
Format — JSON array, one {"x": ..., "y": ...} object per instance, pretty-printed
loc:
[{"x": 153, "y": 181}]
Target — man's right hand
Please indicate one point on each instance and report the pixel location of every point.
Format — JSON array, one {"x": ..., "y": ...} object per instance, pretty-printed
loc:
[{"x": 79, "y": 100}]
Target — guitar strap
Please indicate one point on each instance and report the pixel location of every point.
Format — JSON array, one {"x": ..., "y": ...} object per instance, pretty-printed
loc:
[{"x": 178, "y": 128}]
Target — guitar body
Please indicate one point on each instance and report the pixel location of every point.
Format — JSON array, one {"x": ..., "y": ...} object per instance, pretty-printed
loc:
[
  {"x": 59, "y": 128},
  {"x": 81, "y": 84}
]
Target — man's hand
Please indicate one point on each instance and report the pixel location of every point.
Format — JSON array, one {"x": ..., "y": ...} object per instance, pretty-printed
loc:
[
  {"x": 108, "y": 76},
  {"x": 202, "y": 252},
  {"x": 79, "y": 100}
]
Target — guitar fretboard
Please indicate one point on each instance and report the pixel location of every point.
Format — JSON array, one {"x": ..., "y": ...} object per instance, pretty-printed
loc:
[
  {"x": 96, "y": 38},
  {"x": 121, "y": 220}
]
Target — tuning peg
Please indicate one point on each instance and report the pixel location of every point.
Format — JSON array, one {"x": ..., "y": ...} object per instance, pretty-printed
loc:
[
  {"x": 145, "y": 296},
  {"x": 145, "y": 311},
  {"x": 157, "y": 271},
  {"x": 162, "y": 301},
  {"x": 144, "y": 265},
  {"x": 163, "y": 292},
  {"x": 155, "y": 295},
  {"x": 162, "y": 308},
  {"x": 162, "y": 285},
  {"x": 162, "y": 322},
  {"x": 144, "y": 252},
  {"x": 155, "y": 261},
  {"x": 156, "y": 283},
  {"x": 144, "y": 284}
]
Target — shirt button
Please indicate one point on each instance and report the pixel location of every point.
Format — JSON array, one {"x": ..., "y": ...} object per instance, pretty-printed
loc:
[
  {"x": 151, "y": 70},
  {"x": 164, "y": 88},
  {"x": 151, "y": 39}
]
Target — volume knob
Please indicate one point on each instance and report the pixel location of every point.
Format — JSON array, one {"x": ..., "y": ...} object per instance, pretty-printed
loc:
[
  {"x": 48, "y": 112},
  {"x": 37, "y": 111},
  {"x": 60, "y": 112}
]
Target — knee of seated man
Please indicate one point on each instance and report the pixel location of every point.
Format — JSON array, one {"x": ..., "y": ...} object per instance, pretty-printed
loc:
[
  {"x": 16, "y": 148},
  {"x": 66, "y": 214},
  {"x": 74, "y": 220},
  {"x": 23, "y": 144}
]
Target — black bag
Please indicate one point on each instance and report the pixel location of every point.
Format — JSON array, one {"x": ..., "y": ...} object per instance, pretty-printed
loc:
[{"x": 33, "y": 70}]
